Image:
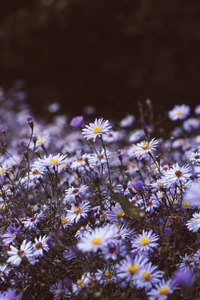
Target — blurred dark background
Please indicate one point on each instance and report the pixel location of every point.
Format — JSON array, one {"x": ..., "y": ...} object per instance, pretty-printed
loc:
[{"x": 110, "y": 54}]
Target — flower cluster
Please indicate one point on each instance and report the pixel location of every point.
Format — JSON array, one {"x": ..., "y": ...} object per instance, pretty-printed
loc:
[{"x": 108, "y": 210}]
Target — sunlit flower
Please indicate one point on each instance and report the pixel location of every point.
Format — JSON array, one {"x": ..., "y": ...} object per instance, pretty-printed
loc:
[
  {"x": 40, "y": 245},
  {"x": 176, "y": 175},
  {"x": 179, "y": 112},
  {"x": 16, "y": 255},
  {"x": 96, "y": 239},
  {"x": 96, "y": 129}
]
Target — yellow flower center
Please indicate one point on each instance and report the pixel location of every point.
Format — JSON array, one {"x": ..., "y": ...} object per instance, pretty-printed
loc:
[
  {"x": 145, "y": 146},
  {"x": 53, "y": 161},
  {"x": 163, "y": 290},
  {"x": 132, "y": 268},
  {"x": 13, "y": 235},
  {"x": 179, "y": 112},
  {"x": 107, "y": 274},
  {"x": 185, "y": 203},
  {"x": 117, "y": 224},
  {"x": 64, "y": 221},
  {"x": 62, "y": 166},
  {"x": 144, "y": 240},
  {"x": 96, "y": 129},
  {"x": 146, "y": 275},
  {"x": 77, "y": 210},
  {"x": 119, "y": 214},
  {"x": 96, "y": 241},
  {"x": 60, "y": 292},
  {"x": 39, "y": 142},
  {"x": 80, "y": 282},
  {"x": 3, "y": 170}
]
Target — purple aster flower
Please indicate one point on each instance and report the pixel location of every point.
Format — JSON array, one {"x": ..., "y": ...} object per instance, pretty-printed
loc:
[
  {"x": 162, "y": 290},
  {"x": 144, "y": 242},
  {"x": 60, "y": 291},
  {"x": 10, "y": 234},
  {"x": 183, "y": 278},
  {"x": 76, "y": 121}
]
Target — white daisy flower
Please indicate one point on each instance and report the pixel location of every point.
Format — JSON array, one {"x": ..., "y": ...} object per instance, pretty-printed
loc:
[
  {"x": 96, "y": 129},
  {"x": 16, "y": 255},
  {"x": 144, "y": 148}
]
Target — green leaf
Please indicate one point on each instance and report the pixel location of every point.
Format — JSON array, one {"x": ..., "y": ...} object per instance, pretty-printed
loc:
[{"x": 129, "y": 209}]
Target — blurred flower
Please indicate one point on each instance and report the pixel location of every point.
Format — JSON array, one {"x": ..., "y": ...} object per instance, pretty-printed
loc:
[
  {"x": 76, "y": 121},
  {"x": 183, "y": 278},
  {"x": 96, "y": 239},
  {"x": 179, "y": 112},
  {"x": 162, "y": 290},
  {"x": 127, "y": 121}
]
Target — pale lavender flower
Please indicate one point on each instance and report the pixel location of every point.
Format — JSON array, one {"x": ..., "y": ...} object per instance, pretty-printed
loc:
[
  {"x": 97, "y": 239},
  {"x": 162, "y": 290},
  {"x": 186, "y": 263},
  {"x": 149, "y": 275},
  {"x": 194, "y": 223},
  {"x": 179, "y": 112},
  {"x": 129, "y": 268},
  {"x": 145, "y": 242},
  {"x": 127, "y": 121},
  {"x": 10, "y": 235},
  {"x": 191, "y": 124}
]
